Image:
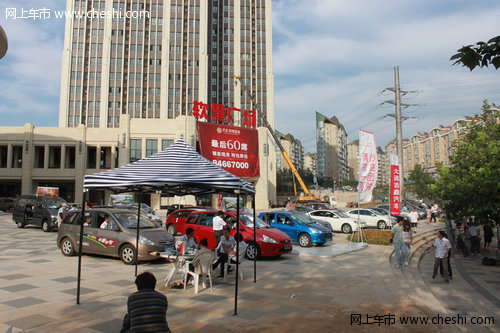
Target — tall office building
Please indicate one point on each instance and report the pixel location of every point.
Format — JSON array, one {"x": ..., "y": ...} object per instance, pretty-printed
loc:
[
  {"x": 331, "y": 145},
  {"x": 150, "y": 59}
]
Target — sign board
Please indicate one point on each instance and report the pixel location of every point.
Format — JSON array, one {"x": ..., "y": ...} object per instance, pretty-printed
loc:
[
  {"x": 368, "y": 165},
  {"x": 44, "y": 191},
  {"x": 395, "y": 186},
  {"x": 234, "y": 149},
  {"x": 121, "y": 199}
]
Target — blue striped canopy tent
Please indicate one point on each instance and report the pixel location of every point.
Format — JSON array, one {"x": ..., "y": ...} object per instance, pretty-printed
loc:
[{"x": 178, "y": 170}]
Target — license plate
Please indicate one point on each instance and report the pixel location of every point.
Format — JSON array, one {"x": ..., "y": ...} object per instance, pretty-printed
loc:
[{"x": 288, "y": 247}]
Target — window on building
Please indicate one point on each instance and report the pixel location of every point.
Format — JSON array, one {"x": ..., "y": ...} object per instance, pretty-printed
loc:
[
  {"x": 69, "y": 162},
  {"x": 151, "y": 147},
  {"x": 166, "y": 143},
  {"x": 135, "y": 149},
  {"x": 55, "y": 157},
  {"x": 91, "y": 157}
]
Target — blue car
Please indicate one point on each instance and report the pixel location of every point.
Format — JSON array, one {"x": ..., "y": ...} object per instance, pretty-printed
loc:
[{"x": 298, "y": 226}]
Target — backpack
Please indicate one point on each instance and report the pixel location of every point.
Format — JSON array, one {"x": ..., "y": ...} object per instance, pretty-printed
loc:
[{"x": 489, "y": 261}]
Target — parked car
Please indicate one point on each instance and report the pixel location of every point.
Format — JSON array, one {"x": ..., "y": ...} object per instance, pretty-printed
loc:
[
  {"x": 117, "y": 240},
  {"x": 146, "y": 209},
  {"x": 338, "y": 220},
  {"x": 371, "y": 217},
  {"x": 298, "y": 226},
  {"x": 304, "y": 209},
  {"x": 7, "y": 204},
  {"x": 271, "y": 242},
  {"x": 386, "y": 208},
  {"x": 314, "y": 205},
  {"x": 31, "y": 209},
  {"x": 176, "y": 220}
]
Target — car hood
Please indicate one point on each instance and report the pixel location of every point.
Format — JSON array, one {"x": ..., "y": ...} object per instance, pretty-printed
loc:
[
  {"x": 157, "y": 235},
  {"x": 274, "y": 233},
  {"x": 319, "y": 227}
]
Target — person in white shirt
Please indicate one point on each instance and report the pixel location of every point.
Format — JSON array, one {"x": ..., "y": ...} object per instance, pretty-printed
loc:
[
  {"x": 434, "y": 212},
  {"x": 106, "y": 224},
  {"x": 414, "y": 218},
  {"x": 226, "y": 246},
  {"x": 242, "y": 247},
  {"x": 61, "y": 213},
  {"x": 218, "y": 224},
  {"x": 442, "y": 247},
  {"x": 189, "y": 240}
]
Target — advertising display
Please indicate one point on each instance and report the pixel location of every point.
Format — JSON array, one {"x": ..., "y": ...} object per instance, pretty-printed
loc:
[
  {"x": 121, "y": 199},
  {"x": 234, "y": 149},
  {"x": 395, "y": 186},
  {"x": 368, "y": 165},
  {"x": 43, "y": 191}
]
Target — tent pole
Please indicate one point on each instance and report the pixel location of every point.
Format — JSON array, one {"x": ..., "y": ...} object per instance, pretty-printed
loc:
[
  {"x": 254, "y": 240},
  {"x": 137, "y": 235},
  {"x": 80, "y": 250},
  {"x": 237, "y": 253}
]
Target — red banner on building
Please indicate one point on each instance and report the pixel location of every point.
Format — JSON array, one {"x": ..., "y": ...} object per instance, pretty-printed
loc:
[
  {"x": 395, "y": 186},
  {"x": 234, "y": 149}
]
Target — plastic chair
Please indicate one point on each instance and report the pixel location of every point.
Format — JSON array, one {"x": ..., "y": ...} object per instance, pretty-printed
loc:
[
  {"x": 240, "y": 260},
  {"x": 196, "y": 277}
]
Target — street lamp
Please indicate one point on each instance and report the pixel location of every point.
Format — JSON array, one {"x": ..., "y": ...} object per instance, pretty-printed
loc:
[{"x": 3, "y": 42}]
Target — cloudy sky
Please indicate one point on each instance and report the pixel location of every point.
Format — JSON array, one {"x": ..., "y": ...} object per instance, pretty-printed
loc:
[{"x": 330, "y": 56}]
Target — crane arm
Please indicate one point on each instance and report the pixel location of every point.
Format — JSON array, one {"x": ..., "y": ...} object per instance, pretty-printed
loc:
[{"x": 278, "y": 142}]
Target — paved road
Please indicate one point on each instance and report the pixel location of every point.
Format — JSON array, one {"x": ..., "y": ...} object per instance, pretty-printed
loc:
[{"x": 38, "y": 286}]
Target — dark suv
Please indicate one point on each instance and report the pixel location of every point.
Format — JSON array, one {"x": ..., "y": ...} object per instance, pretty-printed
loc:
[{"x": 35, "y": 210}]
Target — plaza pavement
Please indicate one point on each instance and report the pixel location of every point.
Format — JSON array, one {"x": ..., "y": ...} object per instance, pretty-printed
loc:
[{"x": 38, "y": 290}]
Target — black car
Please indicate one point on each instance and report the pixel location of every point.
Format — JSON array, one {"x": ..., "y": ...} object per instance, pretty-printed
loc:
[
  {"x": 7, "y": 204},
  {"x": 35, "y": 210}
]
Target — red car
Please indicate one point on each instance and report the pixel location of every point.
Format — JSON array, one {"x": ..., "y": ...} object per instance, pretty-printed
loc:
[
  {"x": 271, "y": 242},
  {"x": 175, "y": 221}
]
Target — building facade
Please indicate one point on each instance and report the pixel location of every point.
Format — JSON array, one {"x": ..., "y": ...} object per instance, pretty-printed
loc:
[
  {"x": 293, "y": 147},
  {"x": 353, "y": 160},
  {"x": 311, "y": 162},
  {"x": 129, "y": 81},
  {"x": 331, "y": 145}
]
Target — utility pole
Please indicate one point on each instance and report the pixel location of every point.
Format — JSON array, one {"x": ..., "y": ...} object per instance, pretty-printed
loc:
[{"x": 399, "y": 121}]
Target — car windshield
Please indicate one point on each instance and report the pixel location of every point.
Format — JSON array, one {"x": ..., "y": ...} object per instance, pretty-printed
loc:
[
  {"x": 302, "y": 218},
  {"x": 377, "y": 212},
  {"x": 129, "y": 220},
  {"x": 341, "y": 214},
  {"x": 381, "y": 211},
  {"x": 247, "y": 220},
  {"x": 54, "y": 202}
]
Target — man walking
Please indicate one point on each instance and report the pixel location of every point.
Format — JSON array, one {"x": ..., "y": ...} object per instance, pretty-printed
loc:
[
  {"x": 434, "y": 212},
  {"x": 442, "y": 247},
  {"x": 399, "y": 245},
  {"x": 218, "y": 224},
  {"x": 475, "y": 242},
  {"x": 414, "y": 219}
]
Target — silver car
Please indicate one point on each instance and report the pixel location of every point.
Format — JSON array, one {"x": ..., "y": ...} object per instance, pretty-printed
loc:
[{"x": 112, "y": 232}]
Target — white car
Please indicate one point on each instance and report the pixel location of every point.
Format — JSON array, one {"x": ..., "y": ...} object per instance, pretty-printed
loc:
[
  {"x": 372, "y": 217},
  {"x": 339, "y": 220}
]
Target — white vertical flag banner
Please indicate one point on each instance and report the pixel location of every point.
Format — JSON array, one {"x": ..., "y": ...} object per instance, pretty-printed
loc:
[{"x": 368, "y": 165}]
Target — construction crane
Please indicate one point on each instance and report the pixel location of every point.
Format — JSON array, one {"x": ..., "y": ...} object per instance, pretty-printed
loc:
[{"x": 307, "y": 195}]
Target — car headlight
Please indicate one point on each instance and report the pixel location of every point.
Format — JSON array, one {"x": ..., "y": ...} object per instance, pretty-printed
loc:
[
  {"x": 315, "y": 231},
  {"x": 267, "y": 239},
  {"x": 145, "y": 241}
]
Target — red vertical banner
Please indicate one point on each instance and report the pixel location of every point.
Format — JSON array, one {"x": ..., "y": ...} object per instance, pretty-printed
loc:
[{"x": 395, "y": 186}]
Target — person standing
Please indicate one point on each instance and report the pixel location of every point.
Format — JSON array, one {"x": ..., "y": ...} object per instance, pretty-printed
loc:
[
  {"x": 218, "y": 224},
  {"x": 446, "y": 262},
  {"x": 488, "y": 235},
  {"x": 442, "y": 247},
  {"x": 475, "y": 243},
  {"x": 61, "y": 213},
  {"x": 407, "y": 240},
  {"x": 460, "y": 241},
  {"x": 226, "y": 246},
  {"x": 414, "y": 219},
  {"x": 146, "y": 308},
  {"x": 399, "y": 246},
  {"x": 434, "y": 212}
]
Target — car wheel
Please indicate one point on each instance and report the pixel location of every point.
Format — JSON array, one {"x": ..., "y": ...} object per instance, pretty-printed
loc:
[
  {"x": 305, "y": 240},
  {"x": 45, "y": 226},
  {"x": 346, "y": 228},
  {"x": 20, "y": 225},
  {"x": 127, "y": 254},
  {"x": 381, "y": 225},
  {"x": 253, "y": 251},
  {"x": 171, "y": 229},
  {"x": 67, "y": 247}
]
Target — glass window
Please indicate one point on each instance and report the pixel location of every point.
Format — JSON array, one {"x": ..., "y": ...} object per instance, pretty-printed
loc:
[
  {"x": 151, "y": 147},
  {"x": 135, "y": 149},
  {"x": 166, "y": 143}
]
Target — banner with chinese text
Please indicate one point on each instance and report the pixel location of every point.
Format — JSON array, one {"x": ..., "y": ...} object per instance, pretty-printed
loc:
[
  {"x": 234, "y": 149},
  {"x": 368, "y": 166},
  {"x": 395, "y": 186}
]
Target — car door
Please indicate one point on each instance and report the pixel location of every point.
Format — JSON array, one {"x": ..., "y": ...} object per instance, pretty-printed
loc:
[
  {"x": 39, "y": 212},
  {"x": 90, "y": 233},
  {"x": 369, "y": 217},
  {"x": 334, "y": 220},
  {"x": 29, "y": 211},
  {"x": 107, "y": 239},
  {"x": 287, "y": 225}
]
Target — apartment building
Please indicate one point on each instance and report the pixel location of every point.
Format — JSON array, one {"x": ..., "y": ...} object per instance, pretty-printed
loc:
[{"x": 331, "y": 143}]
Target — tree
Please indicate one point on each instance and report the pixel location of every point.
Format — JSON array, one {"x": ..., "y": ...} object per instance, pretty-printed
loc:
[
  {"x": 481, "y": 54},
  {"x": 471, "y": 186},
  {"x": 420, "y": 182}
]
